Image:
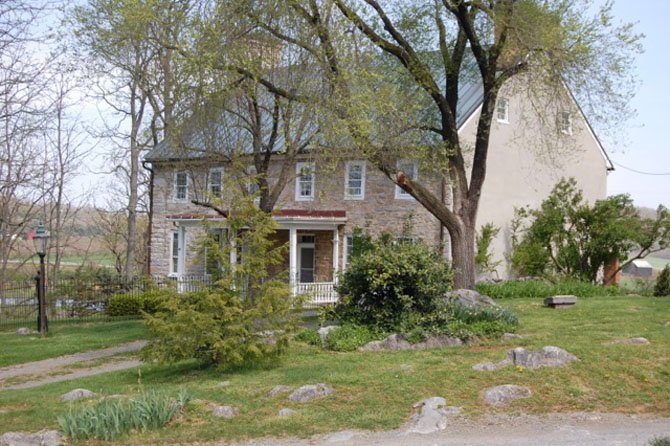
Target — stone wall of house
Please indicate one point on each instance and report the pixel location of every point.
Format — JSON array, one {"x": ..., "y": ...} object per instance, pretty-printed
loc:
[{"x": 379, "y": 211}]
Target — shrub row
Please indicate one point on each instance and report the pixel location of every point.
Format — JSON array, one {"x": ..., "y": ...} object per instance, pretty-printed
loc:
[
  {"x": 541, "y": 288},
  {"x": 135, "y": 304}
]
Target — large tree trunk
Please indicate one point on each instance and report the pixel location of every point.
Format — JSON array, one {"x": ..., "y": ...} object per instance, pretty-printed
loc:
[{"x": 463, "y": 257}]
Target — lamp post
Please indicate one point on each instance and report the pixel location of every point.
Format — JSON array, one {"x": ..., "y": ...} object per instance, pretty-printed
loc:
[{"x": 40, "y": 240}]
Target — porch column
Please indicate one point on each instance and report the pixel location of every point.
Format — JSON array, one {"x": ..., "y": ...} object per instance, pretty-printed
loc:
[
  {"x": 233, "y": 250},
  {"x": 336, "y": 253},
  {"x": 293, "y": 259}
]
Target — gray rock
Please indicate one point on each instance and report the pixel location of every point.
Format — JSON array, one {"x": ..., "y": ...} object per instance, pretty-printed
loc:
[
  {"x": 24, "y": 331},
  {"x": 224, "y": 411},
  {"x": 41, "y": 438},
  {"x": 286, "y": 412},
  {"x": 77, "y": 394},
  {"x": 511, "y": 336},
  {"x": 224, "y": 384},
  {"x": 397, "y": 342},
  {"x": 501, "y": 395},
  {"x": 325, "y": 331},
  {"x": 561, "y": 301},
  {"x": 470, "y": 298},
  {"x": 309, "y": 392},
  {"x": 277, "y": 390},
  {"x": 432, "y": 416},
  {"x": 642, "y": 341},
  {"x": 548, "y": 356},
  {"x": 491, "y": 366}
]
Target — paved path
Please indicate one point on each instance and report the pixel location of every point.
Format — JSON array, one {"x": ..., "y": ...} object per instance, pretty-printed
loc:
[{"x": 47, "y": 366}]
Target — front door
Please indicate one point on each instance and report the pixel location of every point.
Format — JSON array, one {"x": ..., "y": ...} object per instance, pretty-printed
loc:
[{"x": 306, "y": 259}]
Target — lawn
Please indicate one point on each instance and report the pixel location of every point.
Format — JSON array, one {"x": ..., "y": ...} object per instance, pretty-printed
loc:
[{"x": 376, "y": 390}]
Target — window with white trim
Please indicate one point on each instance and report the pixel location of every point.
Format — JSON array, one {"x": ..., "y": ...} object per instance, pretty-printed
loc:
[
  {"x": 565, "y": 122},
  {"x": 411, "y": 169},
  {"x": 304, "y": 182},
  {"x": 348, "y": 250},
  {"x": 213, "y": 263},
  {"x": 502, "y": 110},
  {"x": 215, "y": 181},
  {"x": 354, "y": 180},
  {"x": 252, "y": 180},
  {"x": 181, "y": 186}
]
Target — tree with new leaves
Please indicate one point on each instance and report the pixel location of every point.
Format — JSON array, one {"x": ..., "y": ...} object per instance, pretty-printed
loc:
[{"x": 394, "y": 70}]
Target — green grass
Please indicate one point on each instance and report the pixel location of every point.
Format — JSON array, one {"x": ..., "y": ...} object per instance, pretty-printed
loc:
[
  {"x": 376, "y": 390},
  {"x": 66, "y": 338}
]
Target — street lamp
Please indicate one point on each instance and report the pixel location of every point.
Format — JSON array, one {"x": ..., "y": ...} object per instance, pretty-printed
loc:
[{"x": 40, "y": 240}]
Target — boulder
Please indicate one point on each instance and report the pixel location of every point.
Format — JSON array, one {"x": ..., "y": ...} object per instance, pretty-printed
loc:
[
  {"x": 548, "y": 356},
  {"x": 397, "y": 342},
  {"x": 470, "y": 298},
  {"x": 501, "y": 395},
  {"x": 432, "y": 416},
  {"x": 41, "y": 438},
  {"x": 224, "y": 411},
  {"x": 511, "y": 336},
  {"x": 491, "y": 366},
  {"x": 324, "y": 332},
  {"x": 24, "y": 331},
  {"x": 309, "y": 392},
  {"x": 286, "y": 412},
  {"x": 77, "y": 394},
  {"x": 561, "y": 301},
  {"x": 277, "y": 390}
]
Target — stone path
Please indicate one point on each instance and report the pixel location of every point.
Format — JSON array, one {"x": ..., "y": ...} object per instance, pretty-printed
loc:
[{"x": 47, "y": 366}]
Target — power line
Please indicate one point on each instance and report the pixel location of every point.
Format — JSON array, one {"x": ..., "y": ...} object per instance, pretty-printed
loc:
[{"x": 640, "y": 171}]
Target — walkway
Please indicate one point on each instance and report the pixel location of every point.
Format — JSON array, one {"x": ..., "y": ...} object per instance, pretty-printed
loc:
[{"x": 38, "y": 369}]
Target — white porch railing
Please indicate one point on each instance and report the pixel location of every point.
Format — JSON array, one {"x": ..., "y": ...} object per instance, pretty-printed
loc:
[{"x": 318, "y": 293}]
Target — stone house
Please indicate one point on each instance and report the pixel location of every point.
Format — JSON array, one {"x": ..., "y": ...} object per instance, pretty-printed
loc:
[{"x": 325, "y": 201}]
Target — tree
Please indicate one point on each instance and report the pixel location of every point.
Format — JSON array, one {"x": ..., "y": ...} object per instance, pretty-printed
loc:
[
  {"x": 568, "y": 237},
  {"x": 394, "y": 72}
]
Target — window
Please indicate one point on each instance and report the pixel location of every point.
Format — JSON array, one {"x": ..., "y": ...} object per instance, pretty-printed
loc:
[
  {"x": 252, "y": 180},
  {"x": 565, "y": 122},
  {"x": 348, "y": 250},
  {"x": 410, "y": 169},
  {"x": 354, "y": 181},
  {"x": 304, "y": 183},
  {"x": 216, "y": 182},
  {"x": 213, "y": 265},
  {"x": 502, "y": 110},
  {"x": 180, "y": 186},
  {"x": 176, "y": 252}
]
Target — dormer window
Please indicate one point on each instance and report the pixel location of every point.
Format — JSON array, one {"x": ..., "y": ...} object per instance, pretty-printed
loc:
[
  {"x": 181, "y": 186},
  {"x": 304, "y": 182},
  {"x": 565, "y": 122},
  {"x": 502, "y": 110}
]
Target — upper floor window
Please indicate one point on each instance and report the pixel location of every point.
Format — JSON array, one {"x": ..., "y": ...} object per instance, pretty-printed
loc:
[
  {"x": 565, "y": 122},
  {"x": 354, "y": 181},
  {"x": 181, "y": 186},
  {"x": 502, "y": 110},
  {"x": 411, "y": 169},
  {"x": 304, "y": 182},
  {"x": 216, "y": 181},
  {"x": 252, "y": 180}
]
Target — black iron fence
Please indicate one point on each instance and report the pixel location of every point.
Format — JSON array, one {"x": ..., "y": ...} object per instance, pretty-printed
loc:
[{"x": 68, "y": 299}]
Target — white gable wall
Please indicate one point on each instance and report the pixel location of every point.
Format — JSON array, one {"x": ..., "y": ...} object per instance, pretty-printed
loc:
[{"x": 524, "y": 164}]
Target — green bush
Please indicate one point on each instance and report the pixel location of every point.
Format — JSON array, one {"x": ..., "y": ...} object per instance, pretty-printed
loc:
[
  {"x": 309, "y": 336},
  {"x": 349, "y": 337},
  {"x": 389, "y": 281},
  {"x": 110, "y": 419},
  {"x": 542, "y": 289},
  {"x": 662, "y": 287},
  {"x": 125, "y": 305},
  {"x": 660, "y": 441}
]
